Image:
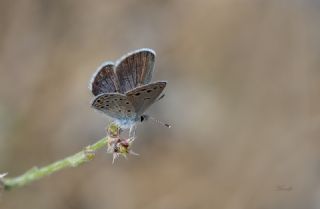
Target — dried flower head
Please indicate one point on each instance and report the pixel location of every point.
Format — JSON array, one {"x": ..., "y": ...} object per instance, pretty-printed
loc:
[
  {"x": 118, "y": 146},
  {"x": 113, "y": 130}
]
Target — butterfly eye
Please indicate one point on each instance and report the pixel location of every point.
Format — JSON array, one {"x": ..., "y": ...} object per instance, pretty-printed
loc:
[{"x": 141, "y": 118}]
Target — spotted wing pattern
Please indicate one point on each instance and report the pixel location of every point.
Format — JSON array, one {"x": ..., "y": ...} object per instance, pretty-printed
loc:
[
  {"x": 114, "y": 105},
  {"x": 144, "y": 96},
  {"x": 135, "y": 69},
  {"x": 104, "y": 80}
]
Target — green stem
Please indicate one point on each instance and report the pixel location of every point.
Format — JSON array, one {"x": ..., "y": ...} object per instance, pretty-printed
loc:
[
  {"x": 72, "y": 161},
  {"x": 79, "y": 158}
]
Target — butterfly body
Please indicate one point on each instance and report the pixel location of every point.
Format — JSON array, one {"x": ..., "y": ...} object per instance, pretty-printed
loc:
[{"x": 123, "y": 90}]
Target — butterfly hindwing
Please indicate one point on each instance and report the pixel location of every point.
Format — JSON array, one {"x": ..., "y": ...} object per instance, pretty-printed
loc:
[
  {"x": 135, "y": 69},
  {"x": 115, "y": 105},
  {"x": 144, "y": 96},
  {"x": 104, "y": 80}
]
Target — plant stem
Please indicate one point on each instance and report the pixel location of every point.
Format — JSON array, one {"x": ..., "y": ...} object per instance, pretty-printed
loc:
[{"x": 37, "y": 173}]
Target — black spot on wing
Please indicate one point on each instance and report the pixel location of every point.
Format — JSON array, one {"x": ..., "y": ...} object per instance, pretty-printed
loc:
[
  {"x": 114, "y": 105},
  {"x": 143, "y": 97}
]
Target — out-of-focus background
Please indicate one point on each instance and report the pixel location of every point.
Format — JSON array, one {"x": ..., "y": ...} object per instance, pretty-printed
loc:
[{"x": 243, "y": 98}]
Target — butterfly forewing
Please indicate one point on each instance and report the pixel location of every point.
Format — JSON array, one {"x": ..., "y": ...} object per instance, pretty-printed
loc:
[
  {"x": 115, "y": 105},
  {"x": 104, "y": 80},
  {"x": 135, "y": 69},
  {"x": 144, "y": 96},
  {"x": 123, "y": 91}
]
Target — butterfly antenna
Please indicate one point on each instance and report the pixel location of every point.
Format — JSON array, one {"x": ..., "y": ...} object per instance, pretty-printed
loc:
[{"x": 146, "y": 117}]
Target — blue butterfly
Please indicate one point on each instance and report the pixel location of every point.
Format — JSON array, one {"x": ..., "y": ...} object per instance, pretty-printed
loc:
[{"x": 124, "y": 90}]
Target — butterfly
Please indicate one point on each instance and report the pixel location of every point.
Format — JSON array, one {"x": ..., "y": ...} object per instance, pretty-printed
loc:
[{"x": 124, "y": 91}]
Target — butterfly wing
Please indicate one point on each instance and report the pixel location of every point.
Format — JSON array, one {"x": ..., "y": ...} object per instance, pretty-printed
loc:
[
  {"x": 135, "y": 69},
  {"x": 144, "y": 96},
  {"x": 114, "y": 105},
  {"x": 104, "y": 80}
]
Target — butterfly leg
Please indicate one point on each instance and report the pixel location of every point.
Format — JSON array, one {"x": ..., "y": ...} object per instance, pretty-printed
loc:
[{"x": 132, "y": 131}]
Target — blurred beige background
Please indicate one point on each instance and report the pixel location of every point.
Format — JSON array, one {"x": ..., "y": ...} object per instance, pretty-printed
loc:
[{"x": 243, "y": 98}]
